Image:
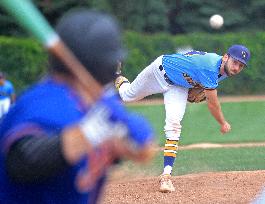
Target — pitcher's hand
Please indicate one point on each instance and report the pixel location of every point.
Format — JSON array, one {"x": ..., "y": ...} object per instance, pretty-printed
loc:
[{"x": 225, "y": 127}]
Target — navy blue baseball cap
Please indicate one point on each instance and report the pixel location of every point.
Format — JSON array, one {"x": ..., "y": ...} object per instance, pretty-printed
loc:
[{"x": 240, "y": 53}]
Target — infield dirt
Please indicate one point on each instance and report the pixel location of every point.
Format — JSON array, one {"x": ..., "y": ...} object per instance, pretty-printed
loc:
[{"x": 204, "y": 188}]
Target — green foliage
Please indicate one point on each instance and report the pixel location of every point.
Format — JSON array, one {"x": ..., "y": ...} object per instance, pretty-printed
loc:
[
  {"x": 23, "y": 60},
  {"x": 141, "y": 16},
  {"x": 151, "y": 16}
]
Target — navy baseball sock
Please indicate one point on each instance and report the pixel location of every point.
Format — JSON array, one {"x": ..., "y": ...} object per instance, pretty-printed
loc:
[{"x": 170, "y": 153}]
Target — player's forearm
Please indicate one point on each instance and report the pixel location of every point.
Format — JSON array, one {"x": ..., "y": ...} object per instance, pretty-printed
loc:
[
  {"x": 216, "y": 112},
  {"x": 214, "y": 106}
]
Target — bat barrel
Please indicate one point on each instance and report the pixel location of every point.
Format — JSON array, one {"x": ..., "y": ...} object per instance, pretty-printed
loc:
[{"x": 32, "y": 20}]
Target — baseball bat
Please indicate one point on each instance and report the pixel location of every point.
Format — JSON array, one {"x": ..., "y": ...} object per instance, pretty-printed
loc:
[{"x": 31, "y": 19}]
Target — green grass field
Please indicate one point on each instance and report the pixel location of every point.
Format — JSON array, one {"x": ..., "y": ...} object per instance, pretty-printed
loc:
[
  {"x": 247, "y": 120},
  {"x": 205, "y": 160},
  {"x": 248, "y": 125}
]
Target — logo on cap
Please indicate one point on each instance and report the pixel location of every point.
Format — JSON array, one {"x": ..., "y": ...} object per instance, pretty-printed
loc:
[{"x": 244, "y": 55}]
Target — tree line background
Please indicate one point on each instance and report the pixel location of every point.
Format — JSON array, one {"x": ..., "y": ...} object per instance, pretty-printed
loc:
[{"x": 152, "y": 16}]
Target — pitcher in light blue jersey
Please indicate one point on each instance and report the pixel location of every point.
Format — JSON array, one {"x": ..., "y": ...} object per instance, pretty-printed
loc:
[
  {"x": 173, "y": 75},
  {"x": 7, "y": 94}
]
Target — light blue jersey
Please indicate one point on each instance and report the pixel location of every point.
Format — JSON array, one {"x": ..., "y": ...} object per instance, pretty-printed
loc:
[
  {"x": 6, "y": 90},
  {"x": 193, "y": 68}
]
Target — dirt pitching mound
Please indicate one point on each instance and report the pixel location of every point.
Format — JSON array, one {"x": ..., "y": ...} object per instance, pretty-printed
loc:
[{"x": 204, "y": 188}]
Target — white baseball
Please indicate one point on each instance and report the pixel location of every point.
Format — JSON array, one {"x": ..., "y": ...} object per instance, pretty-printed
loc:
[{"x": 216, "y": 21}]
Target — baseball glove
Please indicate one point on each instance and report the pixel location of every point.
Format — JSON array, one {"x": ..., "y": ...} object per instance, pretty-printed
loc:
[{"x": 196, "y": 95}]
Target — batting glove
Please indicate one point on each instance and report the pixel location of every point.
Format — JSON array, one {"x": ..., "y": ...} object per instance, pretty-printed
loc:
[{"x": 109, "y": 118}]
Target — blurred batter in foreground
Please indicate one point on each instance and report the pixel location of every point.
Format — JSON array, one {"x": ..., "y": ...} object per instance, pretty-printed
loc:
[{"x": 56, "y": 148}]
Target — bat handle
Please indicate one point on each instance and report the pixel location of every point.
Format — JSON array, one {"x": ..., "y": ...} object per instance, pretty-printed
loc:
[{"x": 119, "y": 67}]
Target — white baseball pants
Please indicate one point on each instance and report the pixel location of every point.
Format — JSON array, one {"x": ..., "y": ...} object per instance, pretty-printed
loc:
[
  {"x": 4, "y": 106},
  {"x": 151, "y": 81}
]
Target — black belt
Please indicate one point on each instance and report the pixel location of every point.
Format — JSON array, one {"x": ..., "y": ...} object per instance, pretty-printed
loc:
[{"x": 165, "y": 76}]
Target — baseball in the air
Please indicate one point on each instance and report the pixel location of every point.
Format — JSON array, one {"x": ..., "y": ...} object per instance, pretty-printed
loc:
[{"x": 216, "y": 21}]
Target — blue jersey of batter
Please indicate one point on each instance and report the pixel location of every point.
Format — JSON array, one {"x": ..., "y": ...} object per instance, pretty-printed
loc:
[
  {"x": 193, "y": 68},
  {"x": 6, "y": 90},
  {"x": 46, "y": 107}
]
